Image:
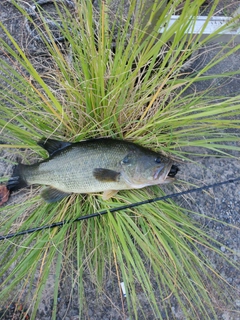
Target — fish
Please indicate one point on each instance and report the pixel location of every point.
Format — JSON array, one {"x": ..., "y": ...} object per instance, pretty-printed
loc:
[{"x": 92, "y": 166}]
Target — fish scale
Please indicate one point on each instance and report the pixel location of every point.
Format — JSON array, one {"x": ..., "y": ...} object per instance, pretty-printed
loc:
[
  {"x": 72, "y": 170},
  {"x": 61, "y": 172}
]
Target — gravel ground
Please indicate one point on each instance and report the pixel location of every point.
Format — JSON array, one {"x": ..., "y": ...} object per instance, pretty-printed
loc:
[{"x": 223, "y": 203}]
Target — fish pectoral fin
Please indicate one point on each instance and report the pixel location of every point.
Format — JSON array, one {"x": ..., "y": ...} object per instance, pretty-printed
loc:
[
  {"x": 51, "y": 195},
  {"x": 109, "y": 194},
  {"x": 106, "y": 175},
  {"x": 52, "y": 145}
]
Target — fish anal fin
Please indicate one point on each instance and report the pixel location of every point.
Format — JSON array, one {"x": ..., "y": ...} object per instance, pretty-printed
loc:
[
  {"x": 51, "y": 195},
  {"x": 52, "y": 145},
  {"x": 106, "y": 175},
  {"x": 109, "y": 194}
]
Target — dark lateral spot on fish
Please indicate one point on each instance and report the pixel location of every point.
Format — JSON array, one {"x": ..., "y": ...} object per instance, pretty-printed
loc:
[
  {"x": 51, "y": 195},
  {"x": 173, "y": 171},
  {"x": 106, "y": 175}
]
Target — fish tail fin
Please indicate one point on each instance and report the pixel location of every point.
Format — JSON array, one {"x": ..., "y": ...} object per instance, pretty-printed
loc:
[{"x": 17, "y": 180}]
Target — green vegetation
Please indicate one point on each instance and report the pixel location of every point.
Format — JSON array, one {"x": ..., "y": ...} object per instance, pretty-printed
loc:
[{"x": 88, "y": 91}]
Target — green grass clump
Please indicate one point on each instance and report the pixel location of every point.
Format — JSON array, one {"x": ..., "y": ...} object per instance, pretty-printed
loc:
[{"x": 90, "y": 91}]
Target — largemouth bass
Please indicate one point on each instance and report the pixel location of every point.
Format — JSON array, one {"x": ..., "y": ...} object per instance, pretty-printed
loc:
[{"x": 93, "y": 166}]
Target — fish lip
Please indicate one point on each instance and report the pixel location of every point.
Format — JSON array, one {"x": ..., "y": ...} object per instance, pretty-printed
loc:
[
  {"x": 157, "y": 173},
  {"x": 162, "y": 172}
]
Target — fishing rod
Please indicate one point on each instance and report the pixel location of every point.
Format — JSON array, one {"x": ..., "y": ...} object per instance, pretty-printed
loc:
[{"x": 120, "y": 208}]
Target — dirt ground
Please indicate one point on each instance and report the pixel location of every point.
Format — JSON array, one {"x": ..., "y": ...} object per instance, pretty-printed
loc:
[{"x": 223, "y": 203}]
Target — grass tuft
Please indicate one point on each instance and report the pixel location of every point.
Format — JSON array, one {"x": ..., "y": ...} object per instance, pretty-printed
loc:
[{"x": 114, "y": 78}]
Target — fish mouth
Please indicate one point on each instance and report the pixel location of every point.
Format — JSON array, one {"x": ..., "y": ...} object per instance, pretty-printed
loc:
[
  {"x": 166, "y": 173},
  {"x": 173, "y": 171}
]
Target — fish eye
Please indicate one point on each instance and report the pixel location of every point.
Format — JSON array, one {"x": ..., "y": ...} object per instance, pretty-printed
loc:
[
  {"x": 125, "y": 160},
  {"x": 158, "y": 160}
]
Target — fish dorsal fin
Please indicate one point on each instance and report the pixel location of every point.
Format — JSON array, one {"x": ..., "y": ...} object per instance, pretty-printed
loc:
[
  {"x": 51, "y": 195},
  {"x": 52, "y": 145},
  {"x": 106, "y": 175}
]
